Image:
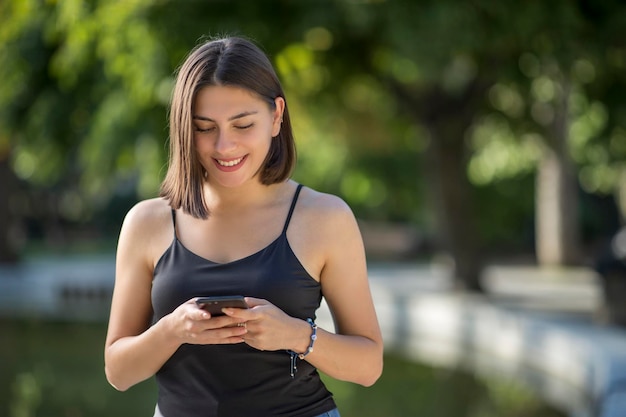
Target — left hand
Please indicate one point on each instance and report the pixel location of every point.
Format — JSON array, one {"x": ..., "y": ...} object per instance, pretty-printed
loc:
[{"x": 269, "y": 328}]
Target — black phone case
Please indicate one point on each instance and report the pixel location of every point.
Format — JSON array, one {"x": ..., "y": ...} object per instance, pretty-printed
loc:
[{"x": 214, "y": 305}]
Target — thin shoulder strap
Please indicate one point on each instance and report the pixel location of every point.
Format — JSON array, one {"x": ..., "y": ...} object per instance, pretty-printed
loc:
[
  {"x": 174, "y": 221},
  {"x": 293, "y": 206}
]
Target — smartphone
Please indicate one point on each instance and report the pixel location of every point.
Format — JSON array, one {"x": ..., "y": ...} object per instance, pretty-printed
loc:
[{"x": 214, "y": 305}]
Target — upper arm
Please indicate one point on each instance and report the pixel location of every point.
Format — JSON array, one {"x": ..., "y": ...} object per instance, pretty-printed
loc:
[
  {"x": 140, "y": 242},
  {"x": 344, "y": 275}
]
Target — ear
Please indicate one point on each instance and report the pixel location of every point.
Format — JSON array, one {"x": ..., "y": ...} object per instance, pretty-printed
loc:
[{"x": 279, "y": 104}]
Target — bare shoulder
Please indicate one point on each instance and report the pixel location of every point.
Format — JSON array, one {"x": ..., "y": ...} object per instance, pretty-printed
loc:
[
  {"x": 148, "y": 213},
  {"x": 321, "y": 204},
  {"x": 147, "y": 228},
  {"x": 325, "y": 214},
  {"x": 325, "y": 236}
]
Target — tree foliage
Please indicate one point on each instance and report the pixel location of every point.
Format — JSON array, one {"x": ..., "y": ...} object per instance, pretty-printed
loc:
[{"x": 381, "y": 91}]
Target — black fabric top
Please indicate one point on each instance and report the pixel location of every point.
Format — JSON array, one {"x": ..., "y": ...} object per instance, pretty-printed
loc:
[{"x": 238, "y": 380}]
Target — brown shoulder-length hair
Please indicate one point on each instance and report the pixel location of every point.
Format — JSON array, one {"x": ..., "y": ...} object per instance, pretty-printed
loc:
[{"x": 231, "y": 61}]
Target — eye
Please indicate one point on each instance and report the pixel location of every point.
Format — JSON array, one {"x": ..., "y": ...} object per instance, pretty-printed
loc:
[
  {"x": 207, "y": 130},
  {"x": 245, "y": 126}
]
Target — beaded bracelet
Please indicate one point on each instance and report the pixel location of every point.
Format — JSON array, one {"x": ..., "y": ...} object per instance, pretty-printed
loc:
[
  {"x": 313, "y": 338},
  {"x": 301, "y": 356}
]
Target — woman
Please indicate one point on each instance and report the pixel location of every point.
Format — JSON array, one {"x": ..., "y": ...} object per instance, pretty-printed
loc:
[{"x": 229, "y": 221}]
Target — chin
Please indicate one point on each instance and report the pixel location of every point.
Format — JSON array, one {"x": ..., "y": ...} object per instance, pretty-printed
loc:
[{"x": 231, "y": 182}]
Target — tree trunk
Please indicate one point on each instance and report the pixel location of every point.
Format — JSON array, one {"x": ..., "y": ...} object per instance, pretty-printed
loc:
[
  {"x": 447, "y": 117},
  {"x": 557, "y": 234},
  {"x": 7, "y": 181},
  {"x": 453, "y": 203}
]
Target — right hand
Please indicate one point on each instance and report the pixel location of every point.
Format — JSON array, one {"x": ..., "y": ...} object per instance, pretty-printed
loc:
[{"x": 193, "y": 325}]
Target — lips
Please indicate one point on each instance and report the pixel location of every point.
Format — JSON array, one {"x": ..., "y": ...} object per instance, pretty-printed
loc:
[
  {"x": 229, "y": 162},
  {"x": 230, "y": 165}
]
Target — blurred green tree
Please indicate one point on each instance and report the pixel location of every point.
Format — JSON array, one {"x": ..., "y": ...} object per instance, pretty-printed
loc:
[
  {"x": 85, "y": 93},
  {"x": 411, "y": 110},
  {"x": 502, "y": 90}
]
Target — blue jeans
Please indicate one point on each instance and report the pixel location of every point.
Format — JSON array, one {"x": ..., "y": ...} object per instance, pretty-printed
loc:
[{"x": 331, "y": 413}]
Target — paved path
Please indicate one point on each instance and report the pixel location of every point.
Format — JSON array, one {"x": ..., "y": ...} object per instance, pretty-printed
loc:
[{"x": 534, "y": 325}]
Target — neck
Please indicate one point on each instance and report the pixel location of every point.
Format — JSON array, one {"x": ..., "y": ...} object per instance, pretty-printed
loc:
[{"x": 220, "y": 199}]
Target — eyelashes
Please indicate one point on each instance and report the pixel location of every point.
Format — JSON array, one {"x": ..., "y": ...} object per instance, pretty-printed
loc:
[{"x": 211, "y": 129}]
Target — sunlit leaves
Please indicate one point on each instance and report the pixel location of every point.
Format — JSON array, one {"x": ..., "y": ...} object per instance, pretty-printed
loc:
[
  {"x": 321, "y": 143},
  {"x": 543, "y": 89},
  {"x": 24, "y": 15},
  {"x": 74, "y": 30},
  {"x": 617, "y": 144},
  {"x": 129, "y": 47},
  {"x": 319, "y": 38},
  {"x": 458, "y": 73},
  {"x": 588, "y": 122},
  {"x": 546, "y": 93},
  {"x": 390, "y": 63},
  {"x": 499, "y": 154},
  {"x": 24, "y": 164},
  {"x": 20, "y": 55},
  {"x": 363, "y": 93},
  {"x": 529, "y": 65},
  {"x": 79, "y": 75},
  {"x": 599, "y": 172},
  {"x": 583, "y": 71},
  {"x": 298, "y": 69},
  {"x": 552, "y": 86},
  {"x": 361, "y": 188},
  {"x": 86, "y": 85},
  {"x": 507, "y": 99},
  {"x": 600, "y": 178},
  {"x": 149, "y": 156}
]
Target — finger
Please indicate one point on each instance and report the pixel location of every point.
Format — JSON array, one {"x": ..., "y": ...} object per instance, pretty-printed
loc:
[
  {"x": 199, "y": 314},
  {"x": 225, "y": 335},
  {"x": 241, "y": 314},
  {"x": 212, "y": 341},
  {"x": 224, "y": 321},
  {"x": 253, "y": 302}
]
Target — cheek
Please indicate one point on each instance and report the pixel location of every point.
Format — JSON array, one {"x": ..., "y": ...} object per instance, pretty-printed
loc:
[
  {"x": 261, "y": 136},
  {"x": 201, "y": 143}
]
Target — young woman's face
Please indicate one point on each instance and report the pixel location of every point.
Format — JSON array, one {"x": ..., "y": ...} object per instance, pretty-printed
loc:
[{"x": 233, "y": 130}]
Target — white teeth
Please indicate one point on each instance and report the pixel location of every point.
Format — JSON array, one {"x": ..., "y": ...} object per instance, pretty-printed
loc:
[{"x": 229, "y": 163}]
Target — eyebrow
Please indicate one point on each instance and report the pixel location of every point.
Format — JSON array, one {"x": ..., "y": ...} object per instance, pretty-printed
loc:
[{"x": 237, "y": 116}]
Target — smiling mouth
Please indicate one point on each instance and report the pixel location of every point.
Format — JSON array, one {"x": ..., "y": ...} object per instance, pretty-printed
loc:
[{"x": 230, "y": 163}]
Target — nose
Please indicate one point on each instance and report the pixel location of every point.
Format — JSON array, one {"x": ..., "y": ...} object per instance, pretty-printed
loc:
[{"x": 224, "y": 143}]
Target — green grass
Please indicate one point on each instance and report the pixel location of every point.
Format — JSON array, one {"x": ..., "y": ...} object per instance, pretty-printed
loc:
[
  {"x": 51, "y": 369},
  {"x": 57, "y": 370},
  {"x": 409, "y": 389}
]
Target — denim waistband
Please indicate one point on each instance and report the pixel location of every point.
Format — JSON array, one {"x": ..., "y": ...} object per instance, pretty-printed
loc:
[{"x": 331, "y": 413}]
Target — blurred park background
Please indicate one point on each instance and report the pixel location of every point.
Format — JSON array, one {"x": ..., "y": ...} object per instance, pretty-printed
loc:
[{"x": 460, "y": 132}]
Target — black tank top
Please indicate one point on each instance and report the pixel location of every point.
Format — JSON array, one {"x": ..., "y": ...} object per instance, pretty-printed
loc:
[{"x": 238, "y": 380}]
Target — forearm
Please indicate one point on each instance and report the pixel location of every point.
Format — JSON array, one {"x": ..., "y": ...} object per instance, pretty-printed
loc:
[
  {"x": 132, "y": 359},
  {"x": 355, "y": 359}
]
